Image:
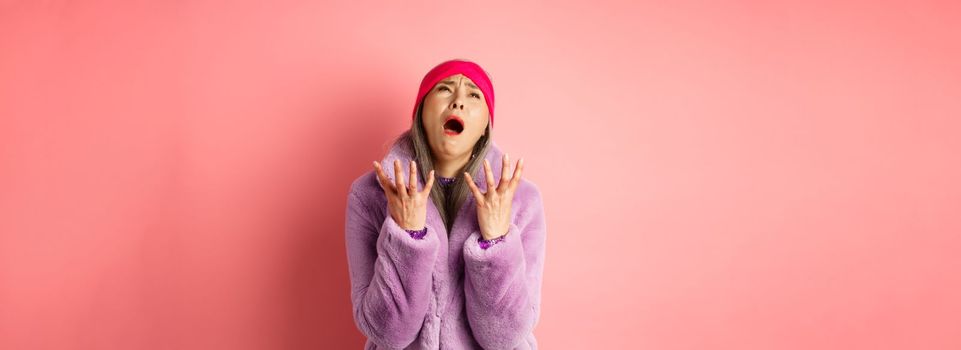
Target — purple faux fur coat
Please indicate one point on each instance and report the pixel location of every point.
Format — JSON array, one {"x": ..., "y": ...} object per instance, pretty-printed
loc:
[{"x": 444, "y": 291}]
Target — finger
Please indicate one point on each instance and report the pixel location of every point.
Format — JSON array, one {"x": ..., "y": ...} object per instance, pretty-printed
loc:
[
  {"x": 399, "y": 178},
  {"x": 413, "y": 177},
  {"x": 473, "y": 188},
  {"x": 490, "y": 175},
  {"x": 518, "y": 170},
  {"x": 382, "y": 178},
  {"x": 430, "y": 182},
  {"x": 505, "y": 180}
]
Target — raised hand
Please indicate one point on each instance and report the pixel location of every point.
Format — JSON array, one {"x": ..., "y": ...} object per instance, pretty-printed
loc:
[
  {"x": 494, "y": 207},
  {"x": 406, "y": 204}
]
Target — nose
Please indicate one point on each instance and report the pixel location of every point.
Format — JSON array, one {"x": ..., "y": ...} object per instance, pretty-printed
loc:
[{"x": 455, "y": 105}]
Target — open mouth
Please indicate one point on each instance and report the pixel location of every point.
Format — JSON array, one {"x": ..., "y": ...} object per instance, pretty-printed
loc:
[{"x": 453, "y": 125}]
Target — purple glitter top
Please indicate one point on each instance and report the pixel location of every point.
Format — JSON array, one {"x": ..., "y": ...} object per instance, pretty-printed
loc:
[{"x": 446, "y": 180}]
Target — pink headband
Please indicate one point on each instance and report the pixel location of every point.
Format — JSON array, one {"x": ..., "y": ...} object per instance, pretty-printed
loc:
[{"x": 452, "y": 67}]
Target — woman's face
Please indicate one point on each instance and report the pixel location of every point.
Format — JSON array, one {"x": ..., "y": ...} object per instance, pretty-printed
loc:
[{"x": 455, "y": 116}]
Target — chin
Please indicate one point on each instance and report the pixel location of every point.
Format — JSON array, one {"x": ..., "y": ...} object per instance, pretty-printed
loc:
[
  {"x": 443, "y": 149},
  {"x": 452, "y": 152}
]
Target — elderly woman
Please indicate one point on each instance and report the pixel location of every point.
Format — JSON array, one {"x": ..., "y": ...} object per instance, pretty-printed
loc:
[{"x": 452, "y": 266}]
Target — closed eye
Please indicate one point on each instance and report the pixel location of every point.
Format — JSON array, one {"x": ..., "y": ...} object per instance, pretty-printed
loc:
[{"x": 444, "y": 88}]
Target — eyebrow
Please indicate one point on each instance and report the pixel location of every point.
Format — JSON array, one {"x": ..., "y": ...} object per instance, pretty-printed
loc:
[{"x": 451, "y": 82}]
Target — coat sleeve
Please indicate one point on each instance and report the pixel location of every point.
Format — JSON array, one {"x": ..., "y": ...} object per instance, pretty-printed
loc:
[
  {"x": 503, "y": 283},
  {"x": 390, "y": 276}
]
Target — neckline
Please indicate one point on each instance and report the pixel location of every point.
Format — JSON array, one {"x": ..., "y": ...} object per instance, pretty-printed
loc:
[{"x": 446, "y": 180}]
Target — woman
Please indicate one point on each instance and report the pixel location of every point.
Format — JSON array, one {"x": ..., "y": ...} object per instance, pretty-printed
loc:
[{"x": 457, "y": 265}]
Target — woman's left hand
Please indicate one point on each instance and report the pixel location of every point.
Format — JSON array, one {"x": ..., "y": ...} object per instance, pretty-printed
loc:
[{"x": 494, "y": 207}]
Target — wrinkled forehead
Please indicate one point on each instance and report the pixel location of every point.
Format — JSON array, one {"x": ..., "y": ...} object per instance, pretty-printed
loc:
[{"x": 457, "y": 79}]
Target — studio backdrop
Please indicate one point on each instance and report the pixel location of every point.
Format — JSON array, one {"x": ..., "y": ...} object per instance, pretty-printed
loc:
[{"x": 715, "y": 174}]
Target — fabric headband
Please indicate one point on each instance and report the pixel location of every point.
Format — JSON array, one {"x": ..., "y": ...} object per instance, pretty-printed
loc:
[{"x": 452, "y": 67}]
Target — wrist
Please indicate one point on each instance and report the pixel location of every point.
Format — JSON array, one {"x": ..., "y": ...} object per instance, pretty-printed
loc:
[
  {"x": 488, "y": 236},
  {"x": 411, "y": 224},
  {"x": 413, "y": 227}
]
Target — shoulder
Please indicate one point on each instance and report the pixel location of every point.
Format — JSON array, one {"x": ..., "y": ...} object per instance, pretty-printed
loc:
[
  {"x": 366, "y": 204},
  {"x": 528, "y": 196},
  {"x": 528, "y": 210},
  {"x": 365, "y": 188}
]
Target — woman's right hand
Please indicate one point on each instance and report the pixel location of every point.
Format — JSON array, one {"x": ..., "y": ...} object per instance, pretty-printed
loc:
[{"x": 406, "y": 204}]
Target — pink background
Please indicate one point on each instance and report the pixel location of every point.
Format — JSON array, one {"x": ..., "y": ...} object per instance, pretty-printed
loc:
[{"x": 745, "y": 175}]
